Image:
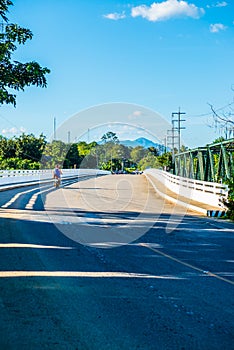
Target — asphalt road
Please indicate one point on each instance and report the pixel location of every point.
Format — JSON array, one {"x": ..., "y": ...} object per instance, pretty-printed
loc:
[{"x": 105, "y": 263}]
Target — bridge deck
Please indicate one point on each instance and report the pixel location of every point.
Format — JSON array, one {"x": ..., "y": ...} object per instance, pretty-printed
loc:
[{"x": 168, "y": 285}]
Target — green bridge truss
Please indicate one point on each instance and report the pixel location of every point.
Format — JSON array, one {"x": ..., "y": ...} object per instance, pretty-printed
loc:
[{"x": 214, "y": 162}]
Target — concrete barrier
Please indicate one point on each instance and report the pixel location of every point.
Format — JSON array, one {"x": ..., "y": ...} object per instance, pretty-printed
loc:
[
  {"x": 200, "y": 191},
  {"x": 11, "y": 177}
]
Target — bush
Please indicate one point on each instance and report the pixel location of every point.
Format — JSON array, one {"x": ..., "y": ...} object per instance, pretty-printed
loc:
[{"x": 229, "y": 202}]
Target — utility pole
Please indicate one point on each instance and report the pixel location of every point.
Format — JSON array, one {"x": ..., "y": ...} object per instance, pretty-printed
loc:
[
  {"x": 69, "y": 136},
  {"x": 172, "y": 140},
  {"x": 165, "y": 144},
  {"x": 54, "y": 128},
  {"x": 179, "y": 127},
  {"x": 176, "y": 136}
]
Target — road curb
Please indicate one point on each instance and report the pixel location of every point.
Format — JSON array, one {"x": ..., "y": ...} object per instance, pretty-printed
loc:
[{"x": 216, "y": 213}]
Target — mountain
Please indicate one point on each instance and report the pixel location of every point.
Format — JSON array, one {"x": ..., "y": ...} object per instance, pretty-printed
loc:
[{"x": 142, "y": 141}]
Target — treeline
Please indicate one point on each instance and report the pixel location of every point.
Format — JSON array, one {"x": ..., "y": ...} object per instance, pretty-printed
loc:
[
  {"x": 31, "y": 152},
  {"x": 23, "y": 152}
]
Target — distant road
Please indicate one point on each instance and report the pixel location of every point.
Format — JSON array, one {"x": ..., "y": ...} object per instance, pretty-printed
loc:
[{"x": 165, "y": 281}]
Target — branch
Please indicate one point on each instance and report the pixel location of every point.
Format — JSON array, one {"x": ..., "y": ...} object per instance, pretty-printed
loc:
[
  {"x": 222, "y": 118},
  {"x": 4, "y": 8}
]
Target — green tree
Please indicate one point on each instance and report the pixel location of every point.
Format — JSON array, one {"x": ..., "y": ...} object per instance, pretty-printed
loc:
[
  {"x": 120, "y": 151},
  {"x": 138, "y": 153},
  {"x": 23, "y": 152},
  {"x": 16, "y": 163},
  {"x": 165, "y": 160},
  {"x": 219, "y": 139},
  {"x": 154, "y": 150},
  {"x": 150, "y": 161},
  {"x": 183, "y": 148},
  {"x": 72, "y": 159},
  {"x": 7, "y": 148},
  {"x": 110, "y": 137},
  {"x": 112, "y": 155},
  {"x": 13, "y": 74},
  {"x": 64, "y": 154},
  {"x": 54, "y": 153},
  {"x": 229, "y": 202},
  {"x": 30, "y": 147},
  {"x": 85, "y": 148}
]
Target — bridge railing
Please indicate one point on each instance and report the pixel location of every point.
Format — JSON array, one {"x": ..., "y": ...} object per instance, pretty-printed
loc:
[
  {"x": 201, "y": 191},
  {"x": 23, "y": 176}
]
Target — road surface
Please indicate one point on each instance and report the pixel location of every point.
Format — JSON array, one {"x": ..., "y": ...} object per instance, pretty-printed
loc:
[{"x": 105, "y": 263}]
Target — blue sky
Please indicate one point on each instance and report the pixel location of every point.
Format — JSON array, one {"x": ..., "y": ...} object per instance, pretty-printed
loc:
[{"x": 161, "y": 55}]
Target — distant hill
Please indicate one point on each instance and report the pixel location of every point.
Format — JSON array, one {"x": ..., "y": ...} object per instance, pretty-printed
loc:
[{"x": 142, "y": 141}]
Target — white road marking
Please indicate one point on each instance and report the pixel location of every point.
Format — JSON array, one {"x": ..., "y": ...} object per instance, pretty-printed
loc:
[
  {"x": 36, "y": 246},
  {"x": 97, "y": 274},
  {"x": 13, "y": 199},
  {"x": 207, "y": 273},
  {"x": 33, "y": 199}
]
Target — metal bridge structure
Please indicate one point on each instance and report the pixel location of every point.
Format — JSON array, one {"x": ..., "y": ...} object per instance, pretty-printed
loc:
[{"x": 213, "y": 163}]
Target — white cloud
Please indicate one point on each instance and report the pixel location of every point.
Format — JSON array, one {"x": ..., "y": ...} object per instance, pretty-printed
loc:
[
  {"x": 13, "y": 131},
  {"x": 217, "y": 27},
  {"x": 115, "y": 16},
  {"x": 218, "y": 4},
  {"x": 166, "y": 10},
  {"x": 22, "y": 129},
  {"x": 221, "y": 4},
  {"x": 136, "y": 114}
]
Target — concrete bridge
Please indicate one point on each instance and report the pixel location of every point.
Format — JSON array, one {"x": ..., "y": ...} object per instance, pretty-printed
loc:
[
  {"x": 167, "y": 282},
  {"x": 200, "y": 196}
]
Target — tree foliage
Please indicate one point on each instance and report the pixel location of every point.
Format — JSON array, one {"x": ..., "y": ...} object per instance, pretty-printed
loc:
[
  {"x": 30, "y": 152},
  {"x": 229, "y": 202},
  {"x": 23, "y": 152},
  {"x": 154, "y": 150},
  {"x": 69, "y": 155},
  {"x": 13, "y": 74},
  {"x": 85, "y": 148},
  {"x": 54, "y": 153},
  {"x": 110, "y": 137},
  {"x": 30, "y": 147},
  {"x": 138, "y": 153}
]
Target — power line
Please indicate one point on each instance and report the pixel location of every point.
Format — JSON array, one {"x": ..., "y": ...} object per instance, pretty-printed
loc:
[{"x": 210, "y": 113}]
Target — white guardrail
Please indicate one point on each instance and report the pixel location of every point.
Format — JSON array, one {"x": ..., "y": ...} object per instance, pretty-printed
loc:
[
  {"x": 9, "y": 177},
  {"x": 201, "y": 191}
]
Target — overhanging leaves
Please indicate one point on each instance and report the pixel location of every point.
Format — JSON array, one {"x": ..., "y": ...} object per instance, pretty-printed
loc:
[{"x": 13, "y": 74}]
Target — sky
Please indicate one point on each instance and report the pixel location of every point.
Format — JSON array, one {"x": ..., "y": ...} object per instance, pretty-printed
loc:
[{"x": 155, "y": 56}]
